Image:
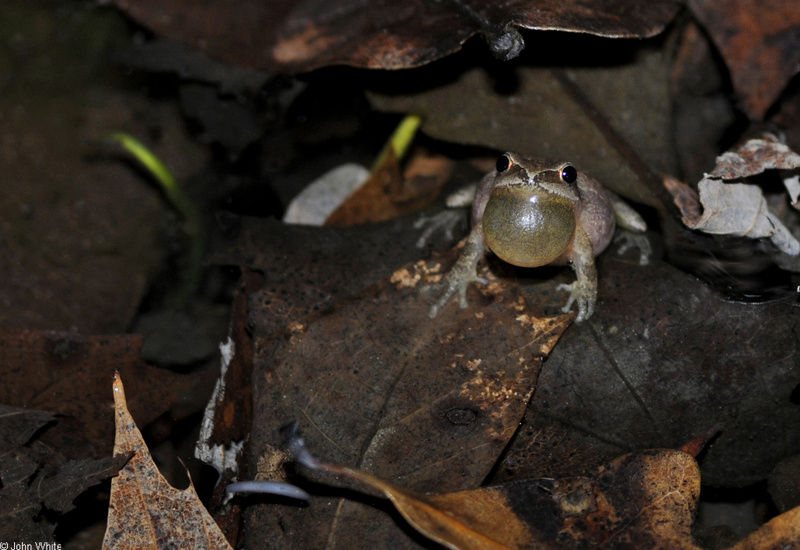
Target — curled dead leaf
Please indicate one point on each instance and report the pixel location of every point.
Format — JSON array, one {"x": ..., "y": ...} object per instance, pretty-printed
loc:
[
  {"x": 643, "y": 500},
  {"x": 740, "y": 209}
]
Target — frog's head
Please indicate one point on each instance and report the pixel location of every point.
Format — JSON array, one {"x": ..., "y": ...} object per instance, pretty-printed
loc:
[{"x": 529, "y": 219}]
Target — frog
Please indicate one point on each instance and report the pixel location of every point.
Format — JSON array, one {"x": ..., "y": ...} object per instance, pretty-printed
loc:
[{"x": 532, "y": 212}]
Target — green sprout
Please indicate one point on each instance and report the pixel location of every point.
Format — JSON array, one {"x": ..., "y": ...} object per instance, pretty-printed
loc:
[
  {"x": 400, "y": 140},
  {"x": 178, "y": 200}
]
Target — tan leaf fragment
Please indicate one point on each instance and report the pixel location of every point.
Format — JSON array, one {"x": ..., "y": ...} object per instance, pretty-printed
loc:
[
  {"x": 754, "y": 156},
  {"x": 740, "y": 209},
  {"x": 145, "y": 511}
]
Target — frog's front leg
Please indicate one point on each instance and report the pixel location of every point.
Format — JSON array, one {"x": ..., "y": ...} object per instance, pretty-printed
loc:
[
  {"x": 463, "y": 272},
  {"x": 584, "y": 289}
]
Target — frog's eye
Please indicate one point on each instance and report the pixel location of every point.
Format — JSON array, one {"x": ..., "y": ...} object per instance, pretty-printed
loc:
[
  {"x": 568, "y": 174},
  {"x": 503, "y": 163}
]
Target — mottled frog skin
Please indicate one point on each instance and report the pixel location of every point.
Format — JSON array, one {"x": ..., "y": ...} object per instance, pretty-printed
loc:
[{"x": 531, "y": 212}]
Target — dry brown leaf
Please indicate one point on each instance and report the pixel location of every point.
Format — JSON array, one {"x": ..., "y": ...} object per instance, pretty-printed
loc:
[
  {"x": 639, "y": 500},
  {"x": 292, "y": 36},
  {"x": 643, "y": 500},
  {"x": 146, "y": 511}
]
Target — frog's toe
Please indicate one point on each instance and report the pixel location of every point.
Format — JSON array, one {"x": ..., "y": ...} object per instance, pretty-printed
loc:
[
  {"x": 582, "y": 296},
  {"x": 628, "y": 240},
  {"x": 449, "y": 291},
  {"x": 572, "y": 297},
  {"x": 434, "y": 311},
  {"x": 451, "y": 285},
  {"x": 444, "y": 222}
]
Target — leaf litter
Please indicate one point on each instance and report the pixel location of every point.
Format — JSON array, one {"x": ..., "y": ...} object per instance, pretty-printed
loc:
[{"x": 358, "y": 295}]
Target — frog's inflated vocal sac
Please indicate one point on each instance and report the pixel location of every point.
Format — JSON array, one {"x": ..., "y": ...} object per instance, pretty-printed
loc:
[{"x": 531, "y": 213}]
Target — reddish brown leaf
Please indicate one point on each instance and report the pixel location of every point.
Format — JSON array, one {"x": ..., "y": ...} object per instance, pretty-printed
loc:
[
  {"x": 760, "y": 43},
  {"x": 65, "y": 373},
  {"x": 696, "y": 445},
  {"x": 289, "y": 36},
  {"x": 145, "y": 510},
  {"x": 686, "y": 199},
  {"x": 387, "y": 194}
]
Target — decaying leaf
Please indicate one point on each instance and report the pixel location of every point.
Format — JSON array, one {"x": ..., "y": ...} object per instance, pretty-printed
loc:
[
  {"x": 759, "y": 43},
  {"x": 664, "y": 359},
  {"x": 361, "y": 376},
  {"x": 36, "y": 482},
  {"x": 639, "y": 500},
  {"x": 145, "y": 510},
  {"x": 767, "y": 152},
  {"x": 740, "y": 209},
  {"x": 644, "y": 500},
  {"x": 289, "y": 36},
  {"x": 63, "y": 372},
  {"x": 358, "y": 358}
]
